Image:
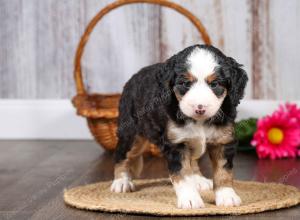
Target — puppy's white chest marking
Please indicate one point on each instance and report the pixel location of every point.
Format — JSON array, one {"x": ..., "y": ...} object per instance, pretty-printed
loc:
[{"x": 192, "y": 134}]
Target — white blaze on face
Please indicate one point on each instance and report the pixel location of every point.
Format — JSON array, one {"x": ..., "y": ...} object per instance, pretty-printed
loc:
[{"x": 201, "y": 64}]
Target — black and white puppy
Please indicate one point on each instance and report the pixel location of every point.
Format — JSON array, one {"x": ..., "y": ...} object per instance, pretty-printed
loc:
[{"x": 185, "y": 106}]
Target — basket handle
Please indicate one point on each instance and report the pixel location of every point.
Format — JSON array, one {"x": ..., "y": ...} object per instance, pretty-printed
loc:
[{"x": 80, "y": 49}]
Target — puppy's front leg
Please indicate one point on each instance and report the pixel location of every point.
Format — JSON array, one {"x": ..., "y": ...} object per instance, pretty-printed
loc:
[
  {"x": 181, "y": 175},
  {"x": 221, "y": 157},
  {"x": 202, "y": 182}
]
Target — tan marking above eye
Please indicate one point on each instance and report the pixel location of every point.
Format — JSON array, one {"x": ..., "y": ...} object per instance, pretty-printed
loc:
[
  {"x": 190, "y": 77},
  {"x": 209, "y": 79}
]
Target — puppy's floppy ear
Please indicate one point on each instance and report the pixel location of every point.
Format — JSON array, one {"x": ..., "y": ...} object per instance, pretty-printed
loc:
[
  {"x": 167, "y": 73},
  {"x": 237, "y": 80}
]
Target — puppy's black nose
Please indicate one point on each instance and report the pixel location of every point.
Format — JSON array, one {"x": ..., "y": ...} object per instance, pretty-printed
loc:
[
  {"x": 200, "y": 112},
  {"x": 200, "y": 106}
]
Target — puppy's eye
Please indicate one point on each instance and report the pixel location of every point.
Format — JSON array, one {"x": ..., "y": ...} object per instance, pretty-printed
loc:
[
  {"x": 214, "y": 84},
  {"x": 186, "y": 84}
]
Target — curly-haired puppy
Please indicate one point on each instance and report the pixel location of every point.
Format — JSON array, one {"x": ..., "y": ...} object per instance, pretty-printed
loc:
[{"x": 185, "y": 106}]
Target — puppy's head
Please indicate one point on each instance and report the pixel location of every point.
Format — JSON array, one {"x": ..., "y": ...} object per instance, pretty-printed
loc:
[{"x": 203, "y": 79}]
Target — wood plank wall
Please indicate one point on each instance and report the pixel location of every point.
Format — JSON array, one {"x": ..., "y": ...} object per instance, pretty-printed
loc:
[{"x": 38, "y": 41}]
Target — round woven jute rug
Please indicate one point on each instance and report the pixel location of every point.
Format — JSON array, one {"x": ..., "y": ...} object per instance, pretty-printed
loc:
[{"x": 157, "y": 197}]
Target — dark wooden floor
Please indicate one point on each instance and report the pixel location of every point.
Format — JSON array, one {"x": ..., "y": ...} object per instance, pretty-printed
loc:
[{"x": 33, "y": 175}]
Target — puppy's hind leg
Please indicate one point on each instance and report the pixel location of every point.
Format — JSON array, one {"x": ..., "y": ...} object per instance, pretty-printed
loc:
[
  {"x": 135, "y": 156},
  {"x": 129, "y": 163}
]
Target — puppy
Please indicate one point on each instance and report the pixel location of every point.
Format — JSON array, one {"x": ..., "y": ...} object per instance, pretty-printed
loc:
[{"x": 185, "y": 106}]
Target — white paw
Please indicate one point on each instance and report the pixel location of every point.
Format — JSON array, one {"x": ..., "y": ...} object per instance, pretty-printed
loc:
[
  {"x": 122, "y": 185},
  {"x": 190, "y": 201},
  {"x": 187, "y": 193},
  {"x": 203, "y": 183},
  {"x": 226, "y": 196}
]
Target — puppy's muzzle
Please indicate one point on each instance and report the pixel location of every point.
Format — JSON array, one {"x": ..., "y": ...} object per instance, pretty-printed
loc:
[{"x": 200, "y": 110}]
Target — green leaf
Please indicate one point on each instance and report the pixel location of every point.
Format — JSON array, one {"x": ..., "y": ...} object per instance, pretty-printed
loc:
[{"x": 244, "y": 131}]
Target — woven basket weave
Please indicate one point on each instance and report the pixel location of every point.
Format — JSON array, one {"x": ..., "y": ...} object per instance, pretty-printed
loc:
[{"x": 101, "y": 110}]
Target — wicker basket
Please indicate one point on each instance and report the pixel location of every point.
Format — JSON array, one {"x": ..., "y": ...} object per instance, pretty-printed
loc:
[{"x": 101, "y": 110}]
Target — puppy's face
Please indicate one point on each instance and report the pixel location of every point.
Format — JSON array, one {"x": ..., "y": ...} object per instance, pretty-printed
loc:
[
  {"x": 200, "y": 91},
  {"x": 207, "y": 79}
]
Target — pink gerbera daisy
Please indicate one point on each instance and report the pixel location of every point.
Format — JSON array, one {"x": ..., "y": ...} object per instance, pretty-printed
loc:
[{"x": 278, "y": 135}]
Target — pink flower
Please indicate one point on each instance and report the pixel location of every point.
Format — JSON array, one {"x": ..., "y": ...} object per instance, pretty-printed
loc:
[{"x": 278, "y": 135}]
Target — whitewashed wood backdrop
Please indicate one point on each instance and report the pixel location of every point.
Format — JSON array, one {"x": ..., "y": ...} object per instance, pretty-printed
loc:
[{"x": 38, "y": 39}]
